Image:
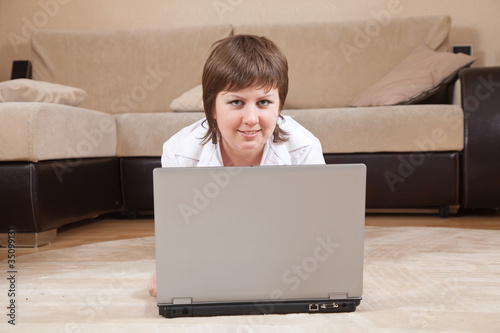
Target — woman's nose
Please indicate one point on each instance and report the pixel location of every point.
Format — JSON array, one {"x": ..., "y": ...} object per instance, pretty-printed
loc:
[{"x": 250, "y": 115}]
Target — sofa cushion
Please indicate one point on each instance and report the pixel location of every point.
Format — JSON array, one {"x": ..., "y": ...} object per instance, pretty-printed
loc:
[
  {"x": 409, "y": 128},
  {"x": 126, "y": 71},
  {"x": 144, "y": 134},
  {"x": 401, "y": 128},
  {"x": 191, "y": 100},
  {"x": 330, "y": 63},
  {"x": 26, "y": 90},
  {"x": 416, "y": 77},
  {"x": 45, "y": 131}
]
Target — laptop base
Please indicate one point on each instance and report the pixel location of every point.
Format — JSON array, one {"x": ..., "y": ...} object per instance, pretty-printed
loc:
[{"x": 258, "y": 308}]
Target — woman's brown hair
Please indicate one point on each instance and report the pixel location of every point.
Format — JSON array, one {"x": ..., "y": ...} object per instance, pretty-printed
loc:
[{"x": 239, "y": 62}]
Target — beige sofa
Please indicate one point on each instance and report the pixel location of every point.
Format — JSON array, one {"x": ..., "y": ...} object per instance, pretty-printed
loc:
[{"x": 69, "y": 162}]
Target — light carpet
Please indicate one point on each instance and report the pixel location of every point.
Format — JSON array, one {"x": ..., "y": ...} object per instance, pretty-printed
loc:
[{"x": 415, "y": 280}]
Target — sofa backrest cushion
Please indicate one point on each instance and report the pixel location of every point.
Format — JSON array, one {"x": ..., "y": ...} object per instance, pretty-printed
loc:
[
  {"x": 126, "y": 71},
  {"x": 330, "y": 63},
  {"x": 145, "y": 70}
]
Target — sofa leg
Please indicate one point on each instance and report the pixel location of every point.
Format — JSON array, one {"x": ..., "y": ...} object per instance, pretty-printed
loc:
[
  {"x": 29, "y": 239},
  {"x": 130, "y": 214},
  {"x": 444, "y": 211}
]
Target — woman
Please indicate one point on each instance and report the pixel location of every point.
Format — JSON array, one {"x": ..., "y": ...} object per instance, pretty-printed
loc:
[{"x": 245, "y": 83}]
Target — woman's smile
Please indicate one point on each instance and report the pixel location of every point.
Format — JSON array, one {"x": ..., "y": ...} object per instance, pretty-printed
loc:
[{"x": 249, "y": 134}]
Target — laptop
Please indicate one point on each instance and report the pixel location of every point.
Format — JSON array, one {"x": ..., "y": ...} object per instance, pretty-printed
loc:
[{"x": 259, "y": 240}]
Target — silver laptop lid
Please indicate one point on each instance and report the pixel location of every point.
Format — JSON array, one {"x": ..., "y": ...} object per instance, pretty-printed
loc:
[{"x": 259, "y": 233}]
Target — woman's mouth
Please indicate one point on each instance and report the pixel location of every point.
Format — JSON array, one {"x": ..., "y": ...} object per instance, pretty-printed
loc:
[{"x": 249, "y": 134}]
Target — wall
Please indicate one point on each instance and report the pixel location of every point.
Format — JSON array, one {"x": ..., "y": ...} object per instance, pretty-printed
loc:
[{"x": 474, "y": 22}]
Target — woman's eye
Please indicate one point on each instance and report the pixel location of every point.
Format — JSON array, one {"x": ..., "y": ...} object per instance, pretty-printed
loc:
[
  {"x": 235, "y": 103},
  {"x": 264, "y": 102}
]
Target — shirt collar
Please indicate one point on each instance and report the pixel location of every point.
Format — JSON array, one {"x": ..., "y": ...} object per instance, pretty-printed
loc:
[
  {"x": 272, "y": 155},
  {"x": 275, "y": 154},
  {"x": 210, "y": 155}
]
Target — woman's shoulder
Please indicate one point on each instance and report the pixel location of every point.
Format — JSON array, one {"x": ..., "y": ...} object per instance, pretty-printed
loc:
[
  {"x": 194, "y": 127},
  {"x": 302, "y": 147},
  {"x": 194, "y": 131},
  {"x": 298, "y": 136},
  {"x": 185, "y": 144}
]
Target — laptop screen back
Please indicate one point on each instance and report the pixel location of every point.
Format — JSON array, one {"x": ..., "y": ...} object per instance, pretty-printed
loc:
[{"x": 259, "y": 233}]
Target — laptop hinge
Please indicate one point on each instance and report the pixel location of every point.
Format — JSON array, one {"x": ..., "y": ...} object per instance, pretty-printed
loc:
[
  {"x": 182, "y": 300},
  {"x": 337, "y": 295}
]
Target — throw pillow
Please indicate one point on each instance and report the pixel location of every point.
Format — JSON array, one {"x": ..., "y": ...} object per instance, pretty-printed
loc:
[
  {"x": 26, "y": 90},
  {"x": 191, "y": 100},
  {"x": 416, "y": 77}
]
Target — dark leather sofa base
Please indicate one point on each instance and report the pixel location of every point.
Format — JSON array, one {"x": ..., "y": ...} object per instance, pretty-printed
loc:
[
  {"x": 35, "y": 197},
  {"x": 394, "y": 180},
  {"x": 137, "y": 183},
  {"x": 407, "y": 180},
  {"x": 481, "y": 154}
]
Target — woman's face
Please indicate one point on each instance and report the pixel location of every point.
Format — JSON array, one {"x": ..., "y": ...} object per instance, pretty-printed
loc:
[{"x": 246, "y": 120}]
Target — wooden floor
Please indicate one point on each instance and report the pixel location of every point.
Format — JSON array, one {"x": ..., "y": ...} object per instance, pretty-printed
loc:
[{"x": 109, "y": 229}]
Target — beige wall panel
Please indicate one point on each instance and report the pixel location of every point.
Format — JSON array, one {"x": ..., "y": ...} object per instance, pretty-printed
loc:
[{"x": 474, "y": 22}]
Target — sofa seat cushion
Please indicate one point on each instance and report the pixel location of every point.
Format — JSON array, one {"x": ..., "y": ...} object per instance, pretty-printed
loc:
[
  {"x": 143, "y": 134},
  {"x": 47, "y": 131},
  {"x": 408, "y": 128}
]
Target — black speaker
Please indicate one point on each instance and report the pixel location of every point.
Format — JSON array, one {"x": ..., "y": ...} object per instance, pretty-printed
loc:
[
  {"x": 21, "y": 69},
  {"x": 466, "y": 49}
]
